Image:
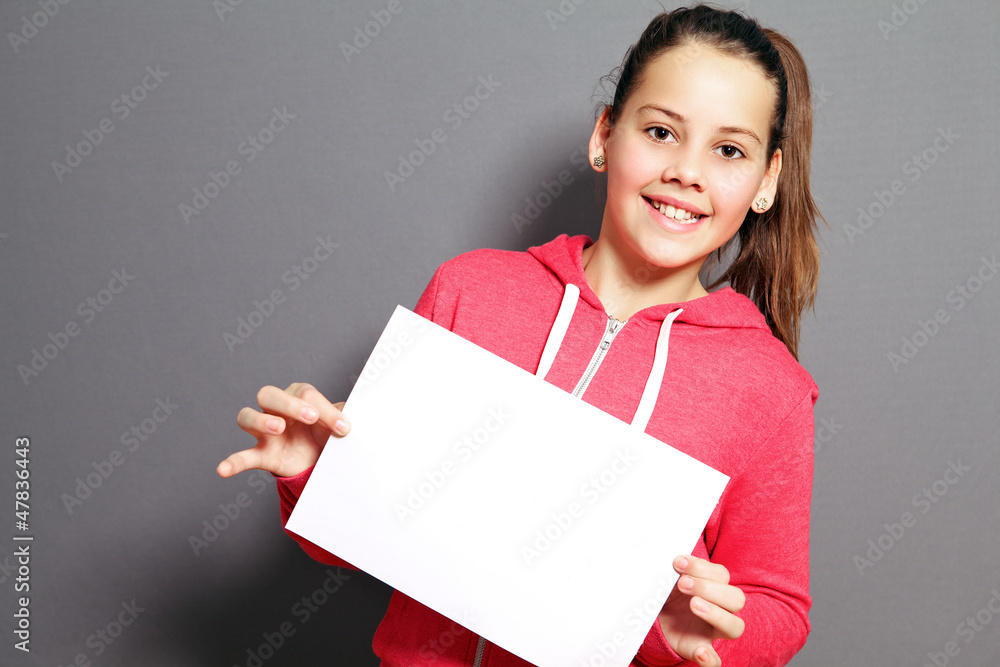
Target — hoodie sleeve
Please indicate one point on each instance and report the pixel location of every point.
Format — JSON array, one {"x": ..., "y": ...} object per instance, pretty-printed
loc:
[
  {"x": 290, "y": 488},
  {"x": 762, "y": 538}
]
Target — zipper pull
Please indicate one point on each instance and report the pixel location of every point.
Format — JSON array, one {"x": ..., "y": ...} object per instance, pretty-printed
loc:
[{"x": 609, "y": 334}]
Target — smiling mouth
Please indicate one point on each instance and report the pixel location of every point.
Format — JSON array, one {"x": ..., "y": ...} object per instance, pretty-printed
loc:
[{"x": 676, "y": 214}]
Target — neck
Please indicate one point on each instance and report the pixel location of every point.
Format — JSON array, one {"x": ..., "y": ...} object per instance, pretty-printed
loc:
[{"x": 626, "y": 285}]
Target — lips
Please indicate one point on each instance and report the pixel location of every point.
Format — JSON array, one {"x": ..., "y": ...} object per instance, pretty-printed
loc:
[{"x": 675, "y": 212}]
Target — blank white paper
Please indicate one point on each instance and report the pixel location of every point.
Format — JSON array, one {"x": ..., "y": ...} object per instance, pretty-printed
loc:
[{"x": 499, "y": 500}]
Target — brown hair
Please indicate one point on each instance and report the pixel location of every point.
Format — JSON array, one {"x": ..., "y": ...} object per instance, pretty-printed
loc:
[{"x": 777, "y": 264}]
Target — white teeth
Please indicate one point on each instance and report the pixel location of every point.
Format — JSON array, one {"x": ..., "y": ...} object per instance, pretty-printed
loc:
[{"x": 678, "y": 214}]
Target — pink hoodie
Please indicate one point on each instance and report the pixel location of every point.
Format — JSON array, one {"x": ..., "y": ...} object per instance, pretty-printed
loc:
[{"x": 729, "y": 395}]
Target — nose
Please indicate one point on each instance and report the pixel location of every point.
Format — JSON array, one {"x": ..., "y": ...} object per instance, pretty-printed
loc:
[{"x": 685, "y": 168}]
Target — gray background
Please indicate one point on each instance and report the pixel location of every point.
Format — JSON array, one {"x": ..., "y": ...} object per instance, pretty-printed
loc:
[{"x": 881, "y": 98}]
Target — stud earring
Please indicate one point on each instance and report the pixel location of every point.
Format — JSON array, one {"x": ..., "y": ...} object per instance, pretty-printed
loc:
[
  {"x": 762, "y": 204},
  {"x": 599, "y": 161}
]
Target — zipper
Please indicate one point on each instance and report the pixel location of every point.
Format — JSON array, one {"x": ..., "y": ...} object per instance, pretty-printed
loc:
[
  {"x": 614, "y": 326},
  {"x": 479, "y": 652}
]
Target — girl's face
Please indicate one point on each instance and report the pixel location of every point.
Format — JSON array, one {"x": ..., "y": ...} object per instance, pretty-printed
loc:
[{"x": 687, "y": 157}]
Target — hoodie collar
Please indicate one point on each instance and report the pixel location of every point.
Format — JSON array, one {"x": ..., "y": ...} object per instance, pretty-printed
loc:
[{"x": 725, "y": 307}]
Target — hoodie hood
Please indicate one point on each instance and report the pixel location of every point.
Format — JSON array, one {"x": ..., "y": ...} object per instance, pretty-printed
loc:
[{"x": 723, "y": 308}]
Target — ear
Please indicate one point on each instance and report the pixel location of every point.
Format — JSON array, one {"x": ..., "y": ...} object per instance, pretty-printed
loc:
[
  {"x": 769, "y": 186},
  {"x": 599, "y": 140}
]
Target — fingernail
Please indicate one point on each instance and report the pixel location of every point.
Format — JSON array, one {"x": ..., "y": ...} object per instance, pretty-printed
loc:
[
  {"x": 309, "y": 413},
  {"x": 273, "y": 425},
  {"x": 341, "y": 427},
  {"x": 682, "y": 563},
  {"x": 686, "y": 583},
  {"x": 701, "y": 606}
]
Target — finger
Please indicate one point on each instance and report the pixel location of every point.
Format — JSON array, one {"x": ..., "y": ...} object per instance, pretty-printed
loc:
[
  {"x": 258, "y": 424},
  {"x": 701, "y": 568},
  {"x": 341, "y": 425},
  {"x": 284, "y": 404},
  {"x": 726, "y": 624},
  {"x": 238, "y": 462},
  {"x": 328, "y": 414},
  {"x": 331, "y": 415},
  {"x": 706, "y": 656},
  {"x": 726, "y": 596}
]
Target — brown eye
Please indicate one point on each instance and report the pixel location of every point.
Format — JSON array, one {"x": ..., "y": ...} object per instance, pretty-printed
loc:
[
  {"x": 659, "y": 133},
  {"x": 730, "y": 152}
]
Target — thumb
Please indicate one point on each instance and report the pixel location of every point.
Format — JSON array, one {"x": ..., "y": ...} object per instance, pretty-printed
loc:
[{"x": 238, "y": 462}]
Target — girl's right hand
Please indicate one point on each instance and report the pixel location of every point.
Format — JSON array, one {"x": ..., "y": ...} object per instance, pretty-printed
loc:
[{"x": 291, "y": 430}]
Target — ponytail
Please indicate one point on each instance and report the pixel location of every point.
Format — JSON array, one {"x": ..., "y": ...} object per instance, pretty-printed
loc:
[{"x": 777, "y": 261}]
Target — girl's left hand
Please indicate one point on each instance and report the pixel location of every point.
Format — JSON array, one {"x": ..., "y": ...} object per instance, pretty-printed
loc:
[{"x": 702, "y": 607}]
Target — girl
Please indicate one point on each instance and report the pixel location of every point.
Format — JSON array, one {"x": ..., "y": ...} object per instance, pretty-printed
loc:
[{"x": 706, "y": 146}]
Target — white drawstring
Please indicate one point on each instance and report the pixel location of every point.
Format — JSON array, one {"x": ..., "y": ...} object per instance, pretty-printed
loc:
[
  {"x": 655, "y": 380},
  {"x": 558, "y": 331}
]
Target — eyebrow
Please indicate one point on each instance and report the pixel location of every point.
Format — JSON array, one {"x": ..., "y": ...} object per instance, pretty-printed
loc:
[{"x": 647, "y": 109}]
